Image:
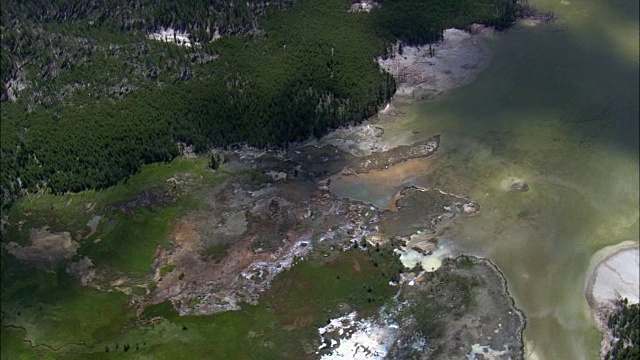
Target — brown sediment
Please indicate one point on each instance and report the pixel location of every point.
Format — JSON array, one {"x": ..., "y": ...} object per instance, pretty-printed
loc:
[
  {"x": 398, "y": 155},
  {"x": 428, "y": 211},
  {"x": 185, "y": 235},
  {"x": 394, "y": 202}
]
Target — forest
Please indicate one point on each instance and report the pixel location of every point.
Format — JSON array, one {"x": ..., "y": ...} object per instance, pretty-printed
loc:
[
  {"x": 625, "y": 326},
  {"x": 87, "y": 97}
]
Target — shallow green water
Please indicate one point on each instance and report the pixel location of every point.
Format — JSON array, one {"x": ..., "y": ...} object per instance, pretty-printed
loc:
[{"x": 558, "y": 109}]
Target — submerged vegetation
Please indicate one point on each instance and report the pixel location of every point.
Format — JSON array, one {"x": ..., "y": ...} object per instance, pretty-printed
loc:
[{"x": 88, "y": 98}]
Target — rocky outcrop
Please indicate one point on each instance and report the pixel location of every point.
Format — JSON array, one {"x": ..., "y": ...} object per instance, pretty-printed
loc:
[{"x": 520, "y": 187}]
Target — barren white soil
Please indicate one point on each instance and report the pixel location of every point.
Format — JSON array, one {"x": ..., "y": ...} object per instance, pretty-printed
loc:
[
  {"x": 617, "y": 276},
  {"x": 356, "y": 339},
  {"x": 426, "y": 71},
  {"x": 170, "y": 35},
  {"x": 419, "y": 73}
]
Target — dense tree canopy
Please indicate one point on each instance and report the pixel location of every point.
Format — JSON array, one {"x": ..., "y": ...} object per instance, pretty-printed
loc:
[
  {"x": 625, "y": 326},
  {"x": 101, "y": 99}
]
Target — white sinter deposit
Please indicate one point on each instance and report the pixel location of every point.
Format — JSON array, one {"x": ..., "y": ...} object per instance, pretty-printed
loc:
[
  {"x": 420, "y": 72},
  {"x": 358, "y": 140},
  {"x": 170, "y": 35},
  {"x": 426, "y": 71},
  {"x": 363, "y": 6},
  {"x": 486, "y": 352},
  {"x": 352, "y": 339},
  {"x": 429, "y": 260}
]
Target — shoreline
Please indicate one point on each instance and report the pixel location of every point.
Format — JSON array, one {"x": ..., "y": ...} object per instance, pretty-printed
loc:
[
  {"x": 505, "y": 287},
  {"x": 600, "y": 257},
  {"x": 422, "y": 73},
  {"x": 601, "y": 310},
  {"x": 427, "y": 71}
]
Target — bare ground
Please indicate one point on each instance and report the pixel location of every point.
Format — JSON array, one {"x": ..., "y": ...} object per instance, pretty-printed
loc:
[
  {"x": 464, "y": 311},
  {"x": 46, "y": 248},
  {"x": 427, "y": 71}
]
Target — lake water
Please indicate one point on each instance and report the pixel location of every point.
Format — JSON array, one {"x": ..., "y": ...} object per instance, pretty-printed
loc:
[{"x": 557, "y": 108}]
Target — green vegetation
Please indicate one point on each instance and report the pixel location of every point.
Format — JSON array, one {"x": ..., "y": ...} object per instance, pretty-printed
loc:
[
  {"x": 216, "y": 251},
  {"x": 417, "y": 22},
  {"x": 95, "y": 132},
  {"x": 163, "y": 309},
  {"x": 625, "y": 325},
  {"x": 385, "y": 259},
  {"x": 193, "y": 302},
  {"x": 52, "y": 308},
  {"x": 464, "y": 262},
  {"x": 110, "y": 100},
  {"x": 444, "y": 292},
  {"x": 128, "y": 236},
  {"x": 282, "y": 326},
  {"x": 14, "y": 346},
  {"x": 167, "y": 268},
  {"x": 137, "y": 216}
]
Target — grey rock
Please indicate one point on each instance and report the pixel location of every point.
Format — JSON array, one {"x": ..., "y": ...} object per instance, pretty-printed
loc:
[{"x": 521, "y": 187}]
